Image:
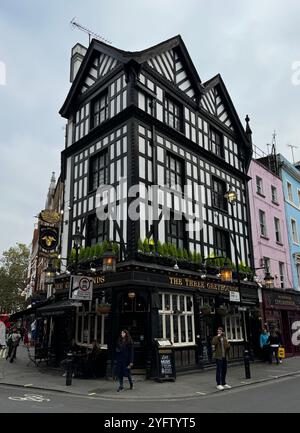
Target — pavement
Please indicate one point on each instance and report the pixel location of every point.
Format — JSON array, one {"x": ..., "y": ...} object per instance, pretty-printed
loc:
[{"x": 201, "y": 382}]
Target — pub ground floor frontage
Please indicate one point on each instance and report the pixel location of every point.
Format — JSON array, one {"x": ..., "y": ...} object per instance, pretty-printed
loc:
[
  {"x": 152, "y": 302},
  {"x": 282, "y": 312}
]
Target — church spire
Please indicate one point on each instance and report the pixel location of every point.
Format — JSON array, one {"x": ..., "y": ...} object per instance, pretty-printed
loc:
[{"x": 50, "y": 191}]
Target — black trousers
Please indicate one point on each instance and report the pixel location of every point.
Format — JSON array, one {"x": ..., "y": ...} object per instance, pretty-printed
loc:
[
  {"x": 221, "y": 371},
  {"x": 266, "y": 353},
  {"x": 121, "y": 376}
]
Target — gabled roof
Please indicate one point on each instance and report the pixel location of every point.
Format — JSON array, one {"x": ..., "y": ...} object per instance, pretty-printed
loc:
[
  {"x": 125, "y": 57},
  {"x": 224, "y": 108}
]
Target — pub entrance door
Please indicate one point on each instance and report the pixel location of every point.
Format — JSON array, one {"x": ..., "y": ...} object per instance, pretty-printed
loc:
[{"x": 134, "y": 316}]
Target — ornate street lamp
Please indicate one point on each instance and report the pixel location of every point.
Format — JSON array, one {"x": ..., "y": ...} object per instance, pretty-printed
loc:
[
  {"x": 226, "y": 273},
  {"x": 268, "y": 280},
  {"x": 77, "y": 239},
  {"x": 231, "y": 196},
  {"x": 50, "y": 272},
  {"x": 109, "y": 261}
]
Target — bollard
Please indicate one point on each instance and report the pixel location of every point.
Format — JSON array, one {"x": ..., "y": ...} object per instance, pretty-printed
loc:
[
  {"x": 69, "y": 369},
  {"x": 247, "y": 364}
]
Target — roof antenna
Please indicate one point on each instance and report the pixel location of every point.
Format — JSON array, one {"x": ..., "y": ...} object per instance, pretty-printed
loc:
[
  {"x": 88, "y": 31},
  {"x": 293, "y": 147}
]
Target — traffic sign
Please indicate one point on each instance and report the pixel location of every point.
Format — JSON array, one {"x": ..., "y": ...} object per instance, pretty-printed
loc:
[{"x": 81, "y": 288}]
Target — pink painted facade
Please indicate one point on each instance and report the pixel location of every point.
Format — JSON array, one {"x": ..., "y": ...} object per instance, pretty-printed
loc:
[{"x": 270, "y": 239}]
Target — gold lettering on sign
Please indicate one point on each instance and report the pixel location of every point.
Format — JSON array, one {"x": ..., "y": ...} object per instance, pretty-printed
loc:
[
  {"x": 188, "y": 282},
  {"x": 99, "y": 280}
]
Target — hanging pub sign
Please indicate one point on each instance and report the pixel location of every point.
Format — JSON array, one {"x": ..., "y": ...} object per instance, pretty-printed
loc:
[
  {"x": 81, "y": 288},
  {"x": 49, "y": 216},
  {"x": 48, "y": 238}
]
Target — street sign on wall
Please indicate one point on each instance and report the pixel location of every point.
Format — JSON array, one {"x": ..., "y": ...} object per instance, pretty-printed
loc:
[
  {"x": 234, "y": 296},
  {"x": 81, "y": 288}
]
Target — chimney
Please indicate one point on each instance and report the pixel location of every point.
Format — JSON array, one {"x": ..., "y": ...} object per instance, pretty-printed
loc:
[{"x": 77, "y": 55}]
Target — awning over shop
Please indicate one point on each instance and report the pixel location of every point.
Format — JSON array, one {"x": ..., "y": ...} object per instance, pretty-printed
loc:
[
  {"x": 57, "y": 308},
  {"x": 27, "y": 311}
]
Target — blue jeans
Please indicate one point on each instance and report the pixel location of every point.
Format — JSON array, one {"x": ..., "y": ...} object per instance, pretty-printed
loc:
[{"x": 221, "y": 371}]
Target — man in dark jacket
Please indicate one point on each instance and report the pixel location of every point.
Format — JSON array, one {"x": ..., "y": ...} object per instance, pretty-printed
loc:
[{"x": 221, "y": 348}]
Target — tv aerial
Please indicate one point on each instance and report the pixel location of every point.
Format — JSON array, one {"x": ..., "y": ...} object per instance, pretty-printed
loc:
[
  {"x": 292, "y": 148},
  {"x": 77, "y": 25}
]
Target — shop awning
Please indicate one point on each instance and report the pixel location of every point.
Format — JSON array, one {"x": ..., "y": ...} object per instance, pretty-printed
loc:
[
  {"x": 27, "y": 311},
  {"x": 57, "y": 308}
]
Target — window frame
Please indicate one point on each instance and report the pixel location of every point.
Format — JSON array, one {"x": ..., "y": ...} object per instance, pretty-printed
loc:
[
  {"x": 220, "y": 195},
  {"x": 94, "y": 101},
  {"x": 277, "y": 230},
  {"x": 259, "y": 186},
  {"x": 293, "y": 220},
  {"x": 274, "y": 197},
  {"x": 172, "y": 315},
  {"x": 281, "y": 267},
  {"x": 213, "y": 145},
  {"x": 262, "y": 224},
  {"x": 290, "y": 191},
  {"x": 83, "y": 313},
  {"x": 104, "y": 232},
  {"x": 167, "y": 113},
  {"x": 226, "y": 241},
  {"x": 103, "y": 168},
  {"x": 238, "y": 330}
]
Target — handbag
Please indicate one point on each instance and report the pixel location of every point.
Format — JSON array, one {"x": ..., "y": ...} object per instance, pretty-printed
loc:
[{"x": 281, "y": 352}]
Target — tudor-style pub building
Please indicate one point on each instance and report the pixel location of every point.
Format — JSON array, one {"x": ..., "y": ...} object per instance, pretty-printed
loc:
[{"x": 147, "y": 117}]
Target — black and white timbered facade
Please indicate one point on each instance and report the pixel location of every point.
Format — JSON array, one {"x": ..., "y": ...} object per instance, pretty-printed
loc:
[{"x": 146, "y": 117}]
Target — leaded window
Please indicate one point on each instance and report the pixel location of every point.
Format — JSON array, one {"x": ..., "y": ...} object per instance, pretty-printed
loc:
[
  {"x": 97, "y": 230},
  {"x": 99, "y": 109},
  {"x": 218, "y": 192},
  {"x": 175, "y": 232},
  {"x": 173, "y": 114},
  {"x": 90, "y": 325},
  {"x": 98, "y": 170},
  {"x": 222, "y": 247},
  {"x": 174, "y": 172},
  {"x": 216, "y": 143}
]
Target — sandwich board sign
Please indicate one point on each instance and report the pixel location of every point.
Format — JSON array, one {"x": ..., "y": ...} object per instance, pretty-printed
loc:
[{"x": 81, "y": 288}]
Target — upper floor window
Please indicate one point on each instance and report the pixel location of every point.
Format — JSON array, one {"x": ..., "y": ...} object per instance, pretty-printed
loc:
[
  {"x": 221, "y": 242},
  {"x": 259, "y": 185},
  {"x": 99, "y": 110},
  {"x": 97, "y": 230},
  {"x": 174, "y": 171},
  {"x": 274, "y": 194},
  {"x": 173, "y": 114},
  {"x": 98, "y": 170},
  {"x": 218, "y": 192},
  {"x": 294, "y": 231},
  {"x": 290, "y": 191},
  {"x": 262, "y": 222},
  {"x": 282, "y": 274},
  {"x": 277, "y": 229},
  {"x": 146, "y": 103},
  {"x": 216, "y": 143},
  {"x": 175, "y": 232},
  {"x": 267, "y": 265}
]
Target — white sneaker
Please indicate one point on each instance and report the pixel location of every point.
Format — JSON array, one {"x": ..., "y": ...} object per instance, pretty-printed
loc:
[
  {"x": 220, "y": 387},
  {"x": 280, "y": 362},
  {"x": 227, "y": 386}
]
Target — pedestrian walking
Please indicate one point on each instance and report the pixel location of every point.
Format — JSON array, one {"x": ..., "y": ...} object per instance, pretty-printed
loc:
[
  {"x": 13, "y": 343},
  {"x": 275, "y": 342},
  {"x": 221, "y": 348},
  {"x": 264, "y": 342},
  {"x": 124, "y": 359}
]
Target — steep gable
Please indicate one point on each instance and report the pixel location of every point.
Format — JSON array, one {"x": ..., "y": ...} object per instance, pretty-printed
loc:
[
  {"x": 102, "y": 65},
  {"x": 213, "y": 102},
  {"x": 169, "y": 64}
]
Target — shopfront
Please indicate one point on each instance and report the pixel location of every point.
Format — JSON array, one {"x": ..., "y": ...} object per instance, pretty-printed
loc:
[
  {"x": 157, "y": 303},
  {"x": 282, "y": 312}
]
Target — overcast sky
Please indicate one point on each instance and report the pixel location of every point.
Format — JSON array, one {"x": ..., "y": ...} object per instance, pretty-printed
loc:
[{"x": 253, "y": 45}]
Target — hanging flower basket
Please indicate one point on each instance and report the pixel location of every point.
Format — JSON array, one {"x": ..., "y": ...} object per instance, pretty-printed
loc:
[
  {"x": 103, "y": 308},
  {"x": 206, "y": 310},
  {"x": 221, "y": 311}
]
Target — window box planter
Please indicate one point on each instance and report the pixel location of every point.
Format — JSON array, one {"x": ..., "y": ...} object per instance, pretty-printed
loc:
[{"x": 206, "y": 310}]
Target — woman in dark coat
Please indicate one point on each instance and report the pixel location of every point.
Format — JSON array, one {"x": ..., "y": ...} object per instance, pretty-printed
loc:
[{"x": 124, "y": 358}]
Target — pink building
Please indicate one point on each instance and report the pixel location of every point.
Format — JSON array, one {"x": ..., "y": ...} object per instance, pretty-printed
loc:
[{"x": 268, "y": 223}]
